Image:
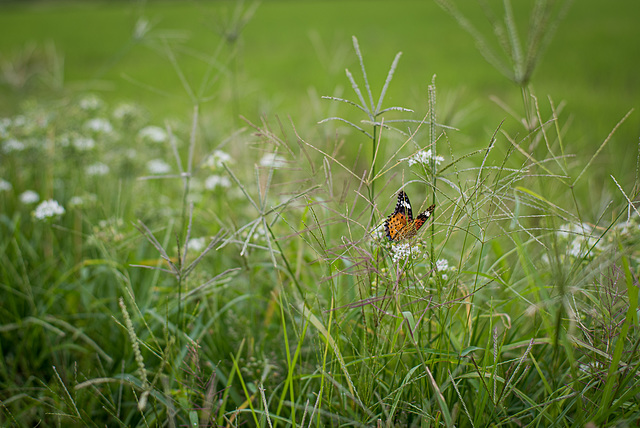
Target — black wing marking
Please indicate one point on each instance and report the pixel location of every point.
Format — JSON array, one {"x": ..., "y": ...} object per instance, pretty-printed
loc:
[{"x": 404, "y": 206}]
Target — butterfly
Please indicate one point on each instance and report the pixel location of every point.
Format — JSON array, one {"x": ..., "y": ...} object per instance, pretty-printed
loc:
[{"x": 401, "y": 224}]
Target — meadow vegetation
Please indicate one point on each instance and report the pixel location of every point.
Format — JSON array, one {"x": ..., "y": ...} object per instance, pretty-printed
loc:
[{"x": 206, "y": 261}]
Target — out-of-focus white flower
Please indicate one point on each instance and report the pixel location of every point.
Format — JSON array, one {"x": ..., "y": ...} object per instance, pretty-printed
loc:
[
  {"x": 442, "y": 265},
  {"x": 580, "y": 240},
  {"x": 124, "y": 111},
  {"x": 84, "y": 143},
  {"x": 214, "y": 181},
  {"x": 19, "y": 120},
  {"x": 48, "y": 209},
  {"x": 196, "y": 244},
  {"x": 569, "y": 230},
  {"x": 13, "y": 145},
  {"x": 259, "y": 234},
  {"x": 29, "y": 197},
  {"x": 5, "y": 186},
  {"x": 378, "y": 233},
  {"x": 63, "y": 140},
  {"x": 97, "y": 168},
  {"x": 76, "y": 201},
  {"x": 5, "y": 123},
  {"x": 99, "y": 125},
  {"x": 424, "y": 158},
  {"x": 217, "y": 158},
  {"x": 158, "y": 166},
  {"x": 153, "y": 134},
  {"x": 273, "y": 160},
  {"x": 79, "y": 201},
  {"x": 90, "y": 102}
]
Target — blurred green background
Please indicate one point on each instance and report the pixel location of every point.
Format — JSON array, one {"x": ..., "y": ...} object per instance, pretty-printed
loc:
[{"x": 289, "y": 47}]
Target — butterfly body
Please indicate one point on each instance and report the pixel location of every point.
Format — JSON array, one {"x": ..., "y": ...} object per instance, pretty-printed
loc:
[{"x": 401, "y": 224}]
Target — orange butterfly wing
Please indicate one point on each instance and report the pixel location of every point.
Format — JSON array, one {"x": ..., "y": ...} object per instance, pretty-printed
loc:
[{"x": 400, "y": 224}]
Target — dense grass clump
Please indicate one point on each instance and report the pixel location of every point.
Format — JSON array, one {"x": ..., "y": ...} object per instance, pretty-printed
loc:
[{"x": 188, "y": 272}]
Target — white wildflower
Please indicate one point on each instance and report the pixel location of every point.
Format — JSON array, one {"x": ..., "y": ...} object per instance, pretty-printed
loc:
[
  {"x": 442, "y": 265},
  {"x": 29, "y": 197},
  {"x": 5, "y": 123},
  {"x": 196, "y": 244},
  {"x": 5, "y": 186},
  {"x": 84, "y": 143},
  {"x": 378, "y": 233},
  {"x": 424, "y": 158},
  {"x": 99, "y": 125},
  {"x": 97, "y": 168},
  {"x": 124, "y": 110},
  {"x": 48, "y": 209},
  {"x": 214, "y": 181},
  {"x": 90, "y": 103},
  {"x": 158, "y": 166},
  {"x": 217, "y": 158},
  {"x": 76, "y": 201},
  {"x": 153, "y": 134},
  {"x": 569, "y": 229},
  {"x": 577, "y": 248},
  {"x": 63, "y": 140},
  {"x": 272, "y": 160},
  {"x": 19, "y": 120},
  {"x": 13, "y": 145},
  {"x": 404, "y": 251},
  {"x": 79, "y": 201}
]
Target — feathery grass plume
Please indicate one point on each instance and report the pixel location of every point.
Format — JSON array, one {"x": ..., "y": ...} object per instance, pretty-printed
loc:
[
  {"x": 515, "y": 61},
  {"x": 510, "y": 57},
  {"x": 133, "y": 338},
  {"x": 374, "y": 112}
]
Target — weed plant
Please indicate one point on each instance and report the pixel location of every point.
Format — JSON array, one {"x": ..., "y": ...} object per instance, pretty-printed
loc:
[{"x": 246, "y": 280}]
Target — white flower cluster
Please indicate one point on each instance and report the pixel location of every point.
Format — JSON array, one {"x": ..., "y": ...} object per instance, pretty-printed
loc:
[
  {"x": 378, "y": 233},
  {"x": 29, "y": 197},
  {"x": 97, "y": 169},
  {"x": 442, "y": 267},
  {"x": 405, "y": 251},
  {"x": 579, "y": 238},
  {"x": 424, "y": 158},
  {"x": 48, "y": 209},
  {"x": 99, "y": 125},
  {"x": 125, "y": 111},
  {"x": 5, "y": 124},
  {"x": 84, "y": 143},
  {"x": 5, "y": 186},
  {"x": 214, "y": 181},
  {"x": 90, "y": 102},
  {"x": 153, "y": 134},
  {"x": 80, "y": 201},
  {"x": 273, "y": 160},
  {"x": 13, "y": 145},
  {"x": 217, "y": 158},
  {"x": 158, "y": 166},
  {"x": 196, "y": 244}
]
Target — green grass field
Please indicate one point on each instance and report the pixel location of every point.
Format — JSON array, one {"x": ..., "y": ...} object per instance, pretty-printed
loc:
[{"x": 191, "y": 235}]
